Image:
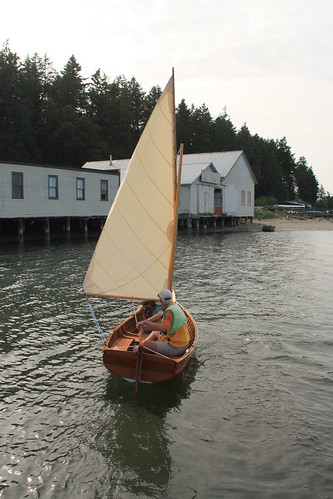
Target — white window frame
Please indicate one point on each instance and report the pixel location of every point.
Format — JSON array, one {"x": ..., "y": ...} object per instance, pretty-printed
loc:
[
  {"x": 104, "y": 190},
  {"x": 53, "y": 187},
  {"x": 17, "y": 187},
  {"x": 249, "y": 198},
  {"x": 80, "y": 189}
]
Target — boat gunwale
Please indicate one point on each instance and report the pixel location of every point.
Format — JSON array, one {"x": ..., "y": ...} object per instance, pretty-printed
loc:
[{"x": 117, "y": 332}]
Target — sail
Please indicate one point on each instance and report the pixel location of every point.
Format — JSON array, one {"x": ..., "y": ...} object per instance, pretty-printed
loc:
[{"x": 134, "y": 254}]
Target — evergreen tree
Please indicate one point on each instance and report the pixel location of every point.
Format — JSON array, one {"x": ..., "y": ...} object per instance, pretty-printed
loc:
[
  {"x": 69, "y": 87},
  {"x": 245, "y": 143},
  {"x": 306, "y": 182},
  {"x": 9, "y": 103},
  {"x": 321, "y": 203},
  {"x": 184, "y": 126},
  {"x": 54, "y": 118},
  {"x": 36, "y": 78},
  {"x": 262, "y": 156},
  {"x": 150, "y": 101},
  {"x": 201, "y": 126},
  {"x": 131, "y": 121},
  {"x": 272, "y": 175},
  {"x": 287, "y": 164},
  {"x": 223, "y": 133},
  {"x": 103, "y": 111},
  {"x": 68, "y": 133}
]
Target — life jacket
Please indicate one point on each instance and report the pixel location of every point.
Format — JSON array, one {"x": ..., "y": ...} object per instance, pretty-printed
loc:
[
  {"x": 179, "y": 318},
  {"x": 178, "y": 336}
]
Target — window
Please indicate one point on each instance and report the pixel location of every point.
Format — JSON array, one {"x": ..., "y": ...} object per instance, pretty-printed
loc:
[
  {"x": 53, "y": 186},
  {"x": 104, "y": 190},
  {"x": 243, "y": 198},
  {"x": 249, "y": 198},
  {"x": 206, "y": 205},
  {"x": 17, "y": 185},
  {"x": 80, "y": 189}
]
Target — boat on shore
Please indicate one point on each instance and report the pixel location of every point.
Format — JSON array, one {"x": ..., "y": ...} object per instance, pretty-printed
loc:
[
  {"x": 134, "y": 256},
  {"x": 268, "y": 228}
]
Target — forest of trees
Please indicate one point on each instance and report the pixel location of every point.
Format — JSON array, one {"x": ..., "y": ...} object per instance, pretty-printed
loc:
[{"x": 64, "y": 119}]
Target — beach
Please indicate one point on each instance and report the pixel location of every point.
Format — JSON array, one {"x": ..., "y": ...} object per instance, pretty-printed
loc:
[{"x": 299, "y": 223}]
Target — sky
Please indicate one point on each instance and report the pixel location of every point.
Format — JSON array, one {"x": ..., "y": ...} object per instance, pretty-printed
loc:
[{"x": 270, "y": 64}]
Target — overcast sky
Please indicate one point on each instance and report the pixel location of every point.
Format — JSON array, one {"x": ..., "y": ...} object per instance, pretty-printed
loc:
[{"x": 269, "y": 63}]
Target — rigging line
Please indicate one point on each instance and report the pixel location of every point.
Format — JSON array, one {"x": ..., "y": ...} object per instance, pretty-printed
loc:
[
  {"x": 99, "y": 329},
  {"x": 154, "y": 351},
  {"x": 128, "y": 349},
  {"x": 134, "y": 312}
]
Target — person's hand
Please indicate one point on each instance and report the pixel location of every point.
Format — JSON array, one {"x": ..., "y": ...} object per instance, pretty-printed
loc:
[{"x": 142, "y": 323}]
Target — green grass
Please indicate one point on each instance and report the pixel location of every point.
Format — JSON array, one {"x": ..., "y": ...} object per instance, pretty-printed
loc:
[{"x": 264, "y": 215}]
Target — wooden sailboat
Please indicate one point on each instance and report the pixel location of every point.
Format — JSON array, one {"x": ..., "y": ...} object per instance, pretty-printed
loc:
[{"x": 134, "y": 256}]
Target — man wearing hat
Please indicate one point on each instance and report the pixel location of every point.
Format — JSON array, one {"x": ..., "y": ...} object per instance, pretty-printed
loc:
[{"x": 170, "y": 336}]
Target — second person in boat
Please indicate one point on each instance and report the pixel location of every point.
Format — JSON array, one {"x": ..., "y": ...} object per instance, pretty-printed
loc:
[
  {"x": 169, "y": 337},
  {"x": 152, "y": 310}
]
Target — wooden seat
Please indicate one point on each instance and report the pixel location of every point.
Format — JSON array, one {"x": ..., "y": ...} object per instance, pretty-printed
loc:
[{"x": 122, "y": 342}]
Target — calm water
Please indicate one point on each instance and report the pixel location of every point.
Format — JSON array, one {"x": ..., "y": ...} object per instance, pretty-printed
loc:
[{"x": 250, "y": 418}]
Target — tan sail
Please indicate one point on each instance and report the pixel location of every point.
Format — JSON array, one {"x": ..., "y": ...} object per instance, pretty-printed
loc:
[{"x": 136, "y": 248}]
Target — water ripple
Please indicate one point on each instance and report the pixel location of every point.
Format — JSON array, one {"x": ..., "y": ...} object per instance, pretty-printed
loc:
[{"x": 251, "y": 417}]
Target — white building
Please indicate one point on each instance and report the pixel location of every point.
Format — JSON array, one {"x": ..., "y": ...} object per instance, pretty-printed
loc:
[
  {"x": 232, "y": 196},
  {"x": 218, "y": 184},
  {"x": 200, "y": 189},
  {"x": 215, "y": 187},
  {"x": 47, "y": 193}
]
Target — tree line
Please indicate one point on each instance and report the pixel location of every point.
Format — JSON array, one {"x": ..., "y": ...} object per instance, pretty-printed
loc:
[{"x": 64, "y": 119}]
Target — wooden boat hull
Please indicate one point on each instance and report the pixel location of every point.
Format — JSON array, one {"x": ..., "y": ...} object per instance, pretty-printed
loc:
[{"x": 150, "y": 368}]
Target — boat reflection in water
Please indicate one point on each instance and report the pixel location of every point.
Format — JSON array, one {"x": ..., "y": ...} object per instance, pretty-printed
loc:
[{"x": 136, "y": 439}]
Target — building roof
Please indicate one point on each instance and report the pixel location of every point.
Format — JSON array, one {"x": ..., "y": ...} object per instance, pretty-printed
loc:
[
  {"x": 191, "y": 171},
  {"x": 193, "y": 164},
  {"x": 10, "y": 164},
  {"x": 116, "y": 164},
  {"x": 223, "y": 161}
]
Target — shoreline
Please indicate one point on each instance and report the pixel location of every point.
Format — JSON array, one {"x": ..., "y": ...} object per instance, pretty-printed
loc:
[{"x": 283, "y": 223}]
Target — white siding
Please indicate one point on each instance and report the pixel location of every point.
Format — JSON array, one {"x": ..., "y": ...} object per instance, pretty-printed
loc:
[
  {"x": 210, "y": 177},
  {"x": 200, "y": 190},
  {"x": 184, "y": 200},
  {"x": 204, "y": 192},
  {"x": 202, "y": 173},
  {"x": 197, "y": 196},
  {"x": 239, "y": 179},
  {"x": 36, "y": 202},
  {"x": 230, "y": 204},
  {"x": 193, "y": 199}
]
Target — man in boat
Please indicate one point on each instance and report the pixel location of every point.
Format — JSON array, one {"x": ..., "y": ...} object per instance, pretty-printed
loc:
[
  {"x": 169, "y": 337},
  {"x": 152, "y": 310}
]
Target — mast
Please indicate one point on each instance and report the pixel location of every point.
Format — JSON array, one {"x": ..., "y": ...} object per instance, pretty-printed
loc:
[{"x": 177, "y": 182}]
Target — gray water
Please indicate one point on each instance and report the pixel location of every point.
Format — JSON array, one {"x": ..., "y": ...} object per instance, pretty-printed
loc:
[{"x": 250, "y": 418}]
